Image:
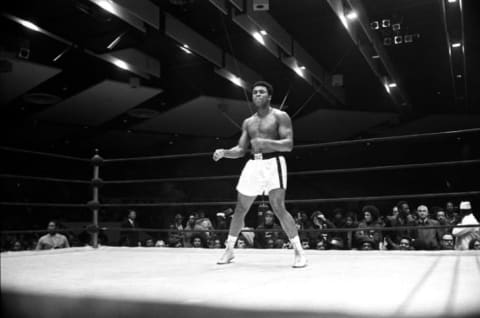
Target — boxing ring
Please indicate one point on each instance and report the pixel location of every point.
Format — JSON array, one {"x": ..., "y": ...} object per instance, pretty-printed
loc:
[
  {"x": 169, "y": 282},
  {"x": 106, "y": 281}
]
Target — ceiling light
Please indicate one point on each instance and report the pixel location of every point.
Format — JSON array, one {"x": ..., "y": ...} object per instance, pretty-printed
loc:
[
  {"x": 107, "y": 6},
  {"x": 375, "y": 56},
  {"x": 29, "y": 25},
  {"x": 303, "y": 68},
  {"x": 236, "y": 80},
  {"x": 352, "y": 15},
  {"x": 459, "y": 75},
  {"x": 392, "y": 85},
  {"x": 263, "y": 32},
  {"x": 386, "y": 23},
  {"x": 457, "y": 44},
  {"x": 185, "y": 49},
  {"x": 121, "y": 64},
  {"x": 452, "y": 1},
  {"x": 115, "y": 42},
  {"x": 258, "y": 37},
  {"x": 387, "y": 88},
  {"x": 299, "y": 70}
]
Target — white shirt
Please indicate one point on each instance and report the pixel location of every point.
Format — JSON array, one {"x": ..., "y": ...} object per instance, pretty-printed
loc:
[{"x": 465, "y": 234}]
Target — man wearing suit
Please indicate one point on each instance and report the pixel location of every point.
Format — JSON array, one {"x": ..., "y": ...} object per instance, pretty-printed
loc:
[{"x": 130, "y": 238}]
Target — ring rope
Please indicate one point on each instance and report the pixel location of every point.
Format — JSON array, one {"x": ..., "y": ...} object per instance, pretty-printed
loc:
[
  {"x": 327, "y": 230},
  {"x": 13, "y": 176},
  {"x": 47, "y": 154},
  {"x": 223, "y": 203},
  {"x": 306, "y": 146},
  {"x": 301, "y": 173}
]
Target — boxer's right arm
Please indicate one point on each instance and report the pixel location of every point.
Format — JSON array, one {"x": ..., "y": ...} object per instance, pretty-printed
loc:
[{"x": 235, "y": 152}]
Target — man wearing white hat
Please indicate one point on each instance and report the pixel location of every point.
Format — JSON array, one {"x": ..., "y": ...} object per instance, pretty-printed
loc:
[{"x": 465, "y": 234}]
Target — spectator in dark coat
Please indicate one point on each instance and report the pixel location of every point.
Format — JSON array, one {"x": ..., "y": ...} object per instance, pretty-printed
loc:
[
  {"x": 370, "y": 220},
  {"x": 426, "y": 239},
  {"x": 130, "y": 238}
]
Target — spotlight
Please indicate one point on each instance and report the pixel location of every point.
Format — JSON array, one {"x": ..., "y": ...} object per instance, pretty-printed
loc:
[
  {"x": 457, "y": 44},
  {"x": 385, "y": 23},
  {"x": 392, "y": 85},
  {"x": 459, "y": 75},
  {"x": 29, "y": 25},
  {"x": 263, "y": 32},
  {"x": 452, "y": 1},
  {"x": 114, "y": 43},
  {"x": 352, "y": 15},
  {"x": 107, "y": 6},
  {"x": 387, "y": 41},
  {"x": 398, "y": 39},
  {"x": 374, "y": 25},
  {"x": 258, "y": 37},
  {"x": 375, "y": 56},
  {"x": 121, "y": 64},
  {"x": 185, "y": 48}
]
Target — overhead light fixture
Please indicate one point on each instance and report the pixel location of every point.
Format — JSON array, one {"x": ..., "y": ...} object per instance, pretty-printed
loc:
[
  {"x": 106, "y": 5},
  {"x": 386, "y": 23},
  {"x": 114, "y": 43},
  {"x": 121, "y": 64},
  {"x": 459, "y": 75},
  {"x": 398, "y": 39},
  {"x": 375, "y": 56},
  {"x": 263, "y": 32},
  {"x": 387, "y": 41},
  {"x": 61, "y": 54},
  {"x": 408, "y": 38},
  {"x": 299, "y": 70},
  {"x": 258, "y": 37},
  {"x": 352, "y": 15},
  {"x": 387, "y": 88},
  {"x": 29, "y": 25},
  {"x": 236, "y": 80},
  {"x": 374, "y": 25},
  {"x": 457, "y": 44},
  {"x": 452, "y": 1},
  {"x": 392, "y": 85},
  {"x": 185, "y": 48}
]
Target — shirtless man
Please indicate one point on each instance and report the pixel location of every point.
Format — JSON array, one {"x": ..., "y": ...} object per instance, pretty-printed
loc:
[{"x": 269, "y": 133}]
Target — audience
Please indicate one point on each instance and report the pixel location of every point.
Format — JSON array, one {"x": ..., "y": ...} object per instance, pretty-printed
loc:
[
  {"x": 466, "y": 234},
  {"x": 373, "y": 232},
  {"x": 52, "y": 239},
  {"x": 130, "y": 238},
  {"x": 426, "y": 239}
]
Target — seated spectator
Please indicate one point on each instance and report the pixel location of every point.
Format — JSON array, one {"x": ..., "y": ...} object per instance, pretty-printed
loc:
[
  {"x": 426, "y": 239},
  {"x": 305, "y": 244},
  {"x": 403, "y": 218},
  {"x": 203, "y": 226},
  {"x": 405, "y": 244},
  {"x": 222, "y": 224},
  {"x": 319, "y": 222},
  {"x": 177, "y": 225},
  {"x": 452, "y": 213},
  {"x": 474, "y": 244},
  {"x": 370, "y": 220},
  {"x": 17, "y": 246},
  {"x": 447, "y": 242},
  {"x": 149, "y": 243},
  {"x": 336, "y": 243},
  {"x": 441, "y": 218},
  {"x": 302, "y": 222},
  {"x": 187, "y": 236},
  {"x": 367, "y": 243},
  {"x": 321, "y": 245},
  {"x": 270, "y": 243},
  {"x": 348, "y": 237},
  {"x": 53, "y": 239},
  {"x": 268, "y": 223},
  {"x": 130, "y": 238},
  {"x": 217, "y": 243},
  {"x": 241, "y": 243},
  {"x": 160, "y": 243},
  {"x": 466, "y": 234},
  {"x": 198, "y": 241}
]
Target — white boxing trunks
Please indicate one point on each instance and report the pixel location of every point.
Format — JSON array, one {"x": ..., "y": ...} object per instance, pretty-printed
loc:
[{"x": 260, "y": 176}]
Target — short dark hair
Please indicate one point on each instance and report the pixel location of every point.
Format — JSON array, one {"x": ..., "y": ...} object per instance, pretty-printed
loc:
[{"x": 264, "y": 84}]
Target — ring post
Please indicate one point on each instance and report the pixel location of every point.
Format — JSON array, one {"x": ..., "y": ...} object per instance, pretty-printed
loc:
[{"x": 95, "y": 203}]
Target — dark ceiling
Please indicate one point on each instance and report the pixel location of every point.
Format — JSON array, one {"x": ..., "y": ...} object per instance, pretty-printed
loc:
[{"x": 61, "y": 92}]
